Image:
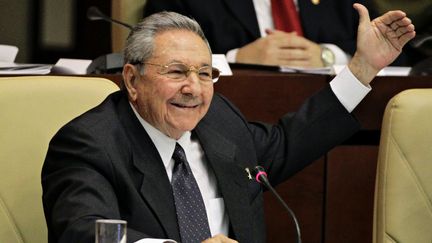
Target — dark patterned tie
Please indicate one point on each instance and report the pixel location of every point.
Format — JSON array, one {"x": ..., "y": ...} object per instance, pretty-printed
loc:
[{"x": 191, "y": 213}]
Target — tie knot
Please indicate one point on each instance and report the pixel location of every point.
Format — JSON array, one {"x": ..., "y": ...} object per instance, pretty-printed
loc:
[{"x": 179, "y": 155}]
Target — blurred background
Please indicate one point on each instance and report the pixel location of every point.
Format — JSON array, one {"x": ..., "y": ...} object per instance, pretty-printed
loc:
[{"x": 45, "y": 30}]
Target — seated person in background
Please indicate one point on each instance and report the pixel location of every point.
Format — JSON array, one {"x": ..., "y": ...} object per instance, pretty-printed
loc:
[
  {"x": 132, "y": 156},
  {"x": 247, "y": 32}
]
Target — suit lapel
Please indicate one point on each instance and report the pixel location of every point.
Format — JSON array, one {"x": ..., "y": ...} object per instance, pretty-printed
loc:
[
  {"x": 310, "y": 25},
  {"x": 231, "y": 179},
  {"x": 155, "y": 188},
  {"x": 244, "y": 11}
]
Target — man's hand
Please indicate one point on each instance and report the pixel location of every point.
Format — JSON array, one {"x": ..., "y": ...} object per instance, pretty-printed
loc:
[
  {"x": 281, "y": 48},
  {"x": 379, "y": 42},
  {"x": 220, "y": 239}
]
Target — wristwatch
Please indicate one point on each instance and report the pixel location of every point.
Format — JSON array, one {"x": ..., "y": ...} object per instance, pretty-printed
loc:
[{"x": 327, "y": 56}]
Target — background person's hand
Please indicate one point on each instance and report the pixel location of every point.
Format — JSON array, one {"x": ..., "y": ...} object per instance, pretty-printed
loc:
[
  {"x": 379, "y": 42},
  {"x": 281, "y": 48},
  {"x": 220, "y": 239}
]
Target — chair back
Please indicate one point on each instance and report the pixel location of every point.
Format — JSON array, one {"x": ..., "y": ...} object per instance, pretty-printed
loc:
[
  {"x": 403, "y": 192},
  {"x": 32, "y": 109}
]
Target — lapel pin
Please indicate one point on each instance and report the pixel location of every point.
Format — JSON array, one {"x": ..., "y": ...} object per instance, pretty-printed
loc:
[{"x": 248, "y": 173}]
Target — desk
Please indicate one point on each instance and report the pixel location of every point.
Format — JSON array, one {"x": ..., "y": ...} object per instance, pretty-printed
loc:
[{"x": 332, "y": 198}]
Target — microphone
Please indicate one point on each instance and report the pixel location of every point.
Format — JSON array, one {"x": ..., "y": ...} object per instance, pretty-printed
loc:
[
  {"x": 261, "y": 177},
  {"x": 109, "y": 63},
  {"x": 93, "y": 13}
]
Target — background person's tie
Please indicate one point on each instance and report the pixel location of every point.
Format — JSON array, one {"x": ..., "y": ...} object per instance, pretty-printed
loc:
[
  {"x": 191, "y": 213},
  {"x": 285, "y": 16}
]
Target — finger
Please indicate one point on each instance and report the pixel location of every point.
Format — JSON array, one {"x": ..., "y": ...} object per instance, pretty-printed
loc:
[
  {"x": 285, "y": 41},
  {"x": 269, "y": 31},
  {"x": 392, "y": 16},
  {"x": 402, "y": 30},
  {"x": 299, "y": 42},
  {"x": 293, "y": 54},
  {"x": 400, "y": 23},
  {"x": 407, "y": 37},
  {"x": 296, "y": 63},
  {"x": 363, "y": 13},
  {"x": 275, "y": 32}
]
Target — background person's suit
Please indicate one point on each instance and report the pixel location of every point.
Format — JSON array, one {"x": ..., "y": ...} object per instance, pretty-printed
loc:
[{"x": 230, "y": 24}]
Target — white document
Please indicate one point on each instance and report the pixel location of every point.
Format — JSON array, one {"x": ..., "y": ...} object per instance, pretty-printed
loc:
[
  {"x": 395, "y": 71},
  {"x": 323, "y": 70},
  {"x": 7, "y": 68},
  {"x": 220, "y": 62},
  {"x": 387, "y": 71},
  {"x": 8, "y": 53},
  {"x": 71, "y": 66}
]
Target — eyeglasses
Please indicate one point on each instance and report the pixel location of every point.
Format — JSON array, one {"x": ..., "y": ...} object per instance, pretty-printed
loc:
[{"x": 180, "y": 71}]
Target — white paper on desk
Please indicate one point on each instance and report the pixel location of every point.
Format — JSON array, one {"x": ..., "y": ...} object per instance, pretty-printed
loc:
[
  {"x": 7, "y": 68},
  {"x": 71, "y": 66},
  {"x": 387, "y": 71},
  {"x": 220, "y": 62},
  {"x": 395, "y": 71},
  {"x": 323, "y": 70}
]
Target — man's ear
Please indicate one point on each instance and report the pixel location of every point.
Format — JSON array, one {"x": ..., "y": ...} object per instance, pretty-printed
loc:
[{"x": 130, "y": 74}]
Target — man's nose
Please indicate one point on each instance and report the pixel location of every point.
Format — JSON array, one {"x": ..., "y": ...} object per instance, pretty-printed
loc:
[{"x": 193, "y": 82}]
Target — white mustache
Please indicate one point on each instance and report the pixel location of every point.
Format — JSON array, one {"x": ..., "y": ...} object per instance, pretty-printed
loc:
[{"x": 186, "y": 101}]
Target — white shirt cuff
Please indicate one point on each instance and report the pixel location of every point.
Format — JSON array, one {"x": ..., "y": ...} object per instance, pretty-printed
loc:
[
  {"x": 348, "y": 89},
  {"x": 231, "y": 55},
  {"x": 341, "y": 57}
]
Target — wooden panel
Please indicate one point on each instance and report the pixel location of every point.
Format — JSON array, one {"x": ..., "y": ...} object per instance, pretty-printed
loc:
[
  {"x": 265, "y": 95},
  {"x": 350, "y": 192},
  {"x": 304, "y": 195},
  {"x": 371, "y": 109}
]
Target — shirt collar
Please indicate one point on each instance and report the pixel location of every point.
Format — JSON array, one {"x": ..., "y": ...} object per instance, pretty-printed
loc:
[{"x": 164, "y": 144}]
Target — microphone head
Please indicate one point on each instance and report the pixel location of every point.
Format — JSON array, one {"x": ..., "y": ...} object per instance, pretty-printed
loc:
[
  {"x": 259, "y": 173},
  {"x": 93, "y": 13}
]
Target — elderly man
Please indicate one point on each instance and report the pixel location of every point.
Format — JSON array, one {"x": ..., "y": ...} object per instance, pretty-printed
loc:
[{"x": 169, "y": 156}]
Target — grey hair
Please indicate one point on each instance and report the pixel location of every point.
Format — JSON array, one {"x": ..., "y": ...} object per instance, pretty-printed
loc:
[{"x": 139, "y": 44}]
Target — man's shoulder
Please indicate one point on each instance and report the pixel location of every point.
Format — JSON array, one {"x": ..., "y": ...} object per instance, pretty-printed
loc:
[
  {"x": 223, "y": 114},
  {"x": 101, "y": 116}
]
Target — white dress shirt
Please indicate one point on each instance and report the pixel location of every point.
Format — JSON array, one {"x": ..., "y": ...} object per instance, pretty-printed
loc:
[
  {"x": 265, "y": 21},
  {"x": 206, "y": 180},
  {"x": 347, "y": 88}
]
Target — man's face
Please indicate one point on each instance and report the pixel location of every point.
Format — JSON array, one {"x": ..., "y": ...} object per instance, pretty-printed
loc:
[{"x": 174, "y": 106}]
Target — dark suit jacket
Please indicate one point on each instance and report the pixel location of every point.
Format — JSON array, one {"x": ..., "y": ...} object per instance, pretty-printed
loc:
[
  {"x": 104, "y": 165},
  {"x": 230, "y": 24}
]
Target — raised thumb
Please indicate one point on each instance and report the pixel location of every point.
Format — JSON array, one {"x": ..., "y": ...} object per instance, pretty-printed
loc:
[{"x": 363, "y": 13}]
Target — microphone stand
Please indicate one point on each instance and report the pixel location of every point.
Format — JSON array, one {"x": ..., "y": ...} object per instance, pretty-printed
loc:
[
  {"x": 109, "y": 63},
  {"x": 93, "y": 13},
  {"x": 261, "y": 177}
]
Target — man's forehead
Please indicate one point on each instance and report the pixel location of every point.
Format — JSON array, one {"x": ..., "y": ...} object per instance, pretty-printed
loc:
[
  {"x": 179, "y": 37},
  {"x": 179, "y": 45}
]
